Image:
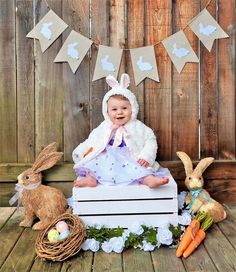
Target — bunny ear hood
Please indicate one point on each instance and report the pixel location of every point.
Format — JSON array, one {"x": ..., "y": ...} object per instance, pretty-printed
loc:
[{"x": 120, "y": 89}]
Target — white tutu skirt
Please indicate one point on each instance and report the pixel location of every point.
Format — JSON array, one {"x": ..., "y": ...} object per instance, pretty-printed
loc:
[{"x": 114, "y": 166}]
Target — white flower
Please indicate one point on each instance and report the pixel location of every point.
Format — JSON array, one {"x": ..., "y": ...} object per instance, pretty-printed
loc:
[
  {"x": 107, "y": 246},
  {"x": 184, "y": 219},
  {"x": 98, "y": 226},
  {"x": 125, "y": 234},
  {"x": 136, "y": 228},
  {"x": 181, "y": 199},
  {"x": 164, "y": 236},
  {"x": 117, "y": 244},
  {"x": 91, "y": 244},
  {"x": 147, "y": 246}
]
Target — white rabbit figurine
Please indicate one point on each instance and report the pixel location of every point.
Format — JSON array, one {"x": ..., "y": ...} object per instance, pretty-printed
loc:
[{"x": 199, "y": 199}]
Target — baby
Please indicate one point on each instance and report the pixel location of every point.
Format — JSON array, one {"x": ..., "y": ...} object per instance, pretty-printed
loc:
[{"x": 122, "y": 149}]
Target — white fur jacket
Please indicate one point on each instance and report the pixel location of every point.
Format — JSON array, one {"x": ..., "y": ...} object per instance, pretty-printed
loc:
[{"x": 139, "y": 138}]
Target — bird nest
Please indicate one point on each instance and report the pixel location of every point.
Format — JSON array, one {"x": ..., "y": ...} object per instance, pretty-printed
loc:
[{"x": 65, "y": 248}]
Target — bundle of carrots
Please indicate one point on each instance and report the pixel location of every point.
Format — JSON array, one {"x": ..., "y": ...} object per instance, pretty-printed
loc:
[{"x": 194, "y": 234}]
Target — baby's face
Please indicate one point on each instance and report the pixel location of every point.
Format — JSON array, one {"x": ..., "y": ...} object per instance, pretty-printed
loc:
[{"x": 119, "y": 111}]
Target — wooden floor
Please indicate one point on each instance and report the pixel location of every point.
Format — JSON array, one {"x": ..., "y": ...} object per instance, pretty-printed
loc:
[{"x": 218, "y": 253}]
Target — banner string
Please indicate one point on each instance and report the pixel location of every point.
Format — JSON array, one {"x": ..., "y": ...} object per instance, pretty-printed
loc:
[{"x": 97, "y": 42}]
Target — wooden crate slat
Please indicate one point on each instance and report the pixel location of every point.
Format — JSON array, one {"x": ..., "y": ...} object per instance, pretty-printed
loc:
[
  {"x": 127, "y": 221},
  {"x": 124, "y": 192},
  {"x": 126, "y": 206}
]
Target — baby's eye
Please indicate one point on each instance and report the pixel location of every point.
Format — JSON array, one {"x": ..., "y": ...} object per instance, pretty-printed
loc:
[
  {"x": 124, "y": 108},
  {"x": 113, "y": 109}
]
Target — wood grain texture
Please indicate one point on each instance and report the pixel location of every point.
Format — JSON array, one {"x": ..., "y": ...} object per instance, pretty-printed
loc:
[
  {"x": 135, "y": 38},
  {"x": 226, "y": 71},
  {"x": 48, "y": 87},
  {"x": 136, "y": 260},
  {"x": 76, "y": 113},
  {"x": 25, "y": 81},
  {"x": 209, "y": 95},
  {"x": 8, "y": 131},
  {"x": 23, "y": 254},
  {"x": 99, "y": 33},
  {"x": 117, "y": 29},
  {"x": 220, "y": 250},
  {"x": 185, "y": 87},
  {"x": 113, "y": 262},
  {"x": 164, "y": 259},
  {"x": 158, "y": 100},
  {"x": 82, "y": 261}
]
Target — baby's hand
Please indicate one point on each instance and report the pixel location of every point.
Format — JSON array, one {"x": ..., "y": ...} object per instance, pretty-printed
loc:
[{"x": 143, "y": 163}]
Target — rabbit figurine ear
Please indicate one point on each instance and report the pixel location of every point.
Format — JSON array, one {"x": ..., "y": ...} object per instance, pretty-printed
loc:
[
  {"x": 46, "y": 161},
  {"x": 112, "y": 82},
  {"x": 47, "y": 150},
  {"x": 202, "y": 166},
  {"x": 188, "y": 166},
  {"x": 124, "y": 81}
]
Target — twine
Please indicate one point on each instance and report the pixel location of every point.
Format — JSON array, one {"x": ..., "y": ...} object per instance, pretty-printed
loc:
[{"x": 65, "y": 248}]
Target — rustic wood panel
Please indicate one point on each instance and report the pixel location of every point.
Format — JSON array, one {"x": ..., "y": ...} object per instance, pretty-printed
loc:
[
  {"x": 164, "y": 259},
  {"x": 185, "y": 87},
  {"x": 10, "y": 229},
  {"x": 135, "y": 38},
  {"x": 25, "y": 81},
  {"x": 48, "y": 86},
  {"x": 226, "y": 70},
  {"x": 136, "y": 260},
  {"x": 117, "y": 28},
  {"x": 8, "y": 131},
  {"x": 64, "y": 172},
  {"x": 158, "y": 99},
  {"x": 82, "y": 262},
  {"x": 113, "y": 262},
  {"x": 23, "y": 254},
  {"x": 76, "y": 114},
  {"x": 199, "y": 261},
  {"x": 209, "y": 95},
  {"x": 99, "y": 33},
  {"x": 220, "y": 250}
]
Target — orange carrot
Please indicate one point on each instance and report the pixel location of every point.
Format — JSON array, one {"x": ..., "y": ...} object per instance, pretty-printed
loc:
[
  {"x": 189, "y": 233},
  {"x": 188, "y": 236},
  {"x": 88, "y": 151},
  {"x": 199, "y": 237}
]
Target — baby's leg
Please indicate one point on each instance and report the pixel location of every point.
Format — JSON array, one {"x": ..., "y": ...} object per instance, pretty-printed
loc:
[
  {"x": 153, "y": 181},
  {"x": 87, "y": 181}
]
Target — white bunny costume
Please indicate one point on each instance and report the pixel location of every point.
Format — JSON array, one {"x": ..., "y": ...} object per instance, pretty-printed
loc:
[{"x": 117, "y": 160}]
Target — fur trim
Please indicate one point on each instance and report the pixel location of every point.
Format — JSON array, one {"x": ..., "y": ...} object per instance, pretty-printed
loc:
[{"x": 120, "y": 90}]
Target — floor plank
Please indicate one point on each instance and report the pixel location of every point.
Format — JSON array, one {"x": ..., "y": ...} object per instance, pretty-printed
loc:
[
  {"x": 23, "y": 254},
  {"x": 9, "y": 235},
  {"x": 199, "y": 261},
  {"x": 164, "y": 259},
  {"x": 107, "y": 262},
  {"x": 5, "y": 214},
  {"x": 228, "y": 227},
  {"x": 137, "y": 260},
  {"x": 81, "y": 262},
  {"x": 45, "y": 266},
  {"x": 220, "y": 250}
]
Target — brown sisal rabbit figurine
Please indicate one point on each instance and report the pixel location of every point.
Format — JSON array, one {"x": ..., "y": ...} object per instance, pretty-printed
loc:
[
  {"x": 198, "y": 198},
  {"x": 38, "y": 200}
]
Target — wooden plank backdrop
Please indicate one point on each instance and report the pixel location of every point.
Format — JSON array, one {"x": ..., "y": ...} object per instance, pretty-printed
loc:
[{"x": 42, "y": 101}]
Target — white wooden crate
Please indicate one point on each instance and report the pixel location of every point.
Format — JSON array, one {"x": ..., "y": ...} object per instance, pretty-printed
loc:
[{"x": 115, "y": 206}]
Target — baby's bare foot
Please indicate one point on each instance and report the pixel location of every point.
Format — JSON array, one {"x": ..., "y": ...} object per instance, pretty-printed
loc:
[
  {"x": 153, "y": 181},
  {"x": 85, "y": 182}
]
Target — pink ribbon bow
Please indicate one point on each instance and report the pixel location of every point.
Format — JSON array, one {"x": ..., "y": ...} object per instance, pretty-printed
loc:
[{"x": 119, "y": 133}]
